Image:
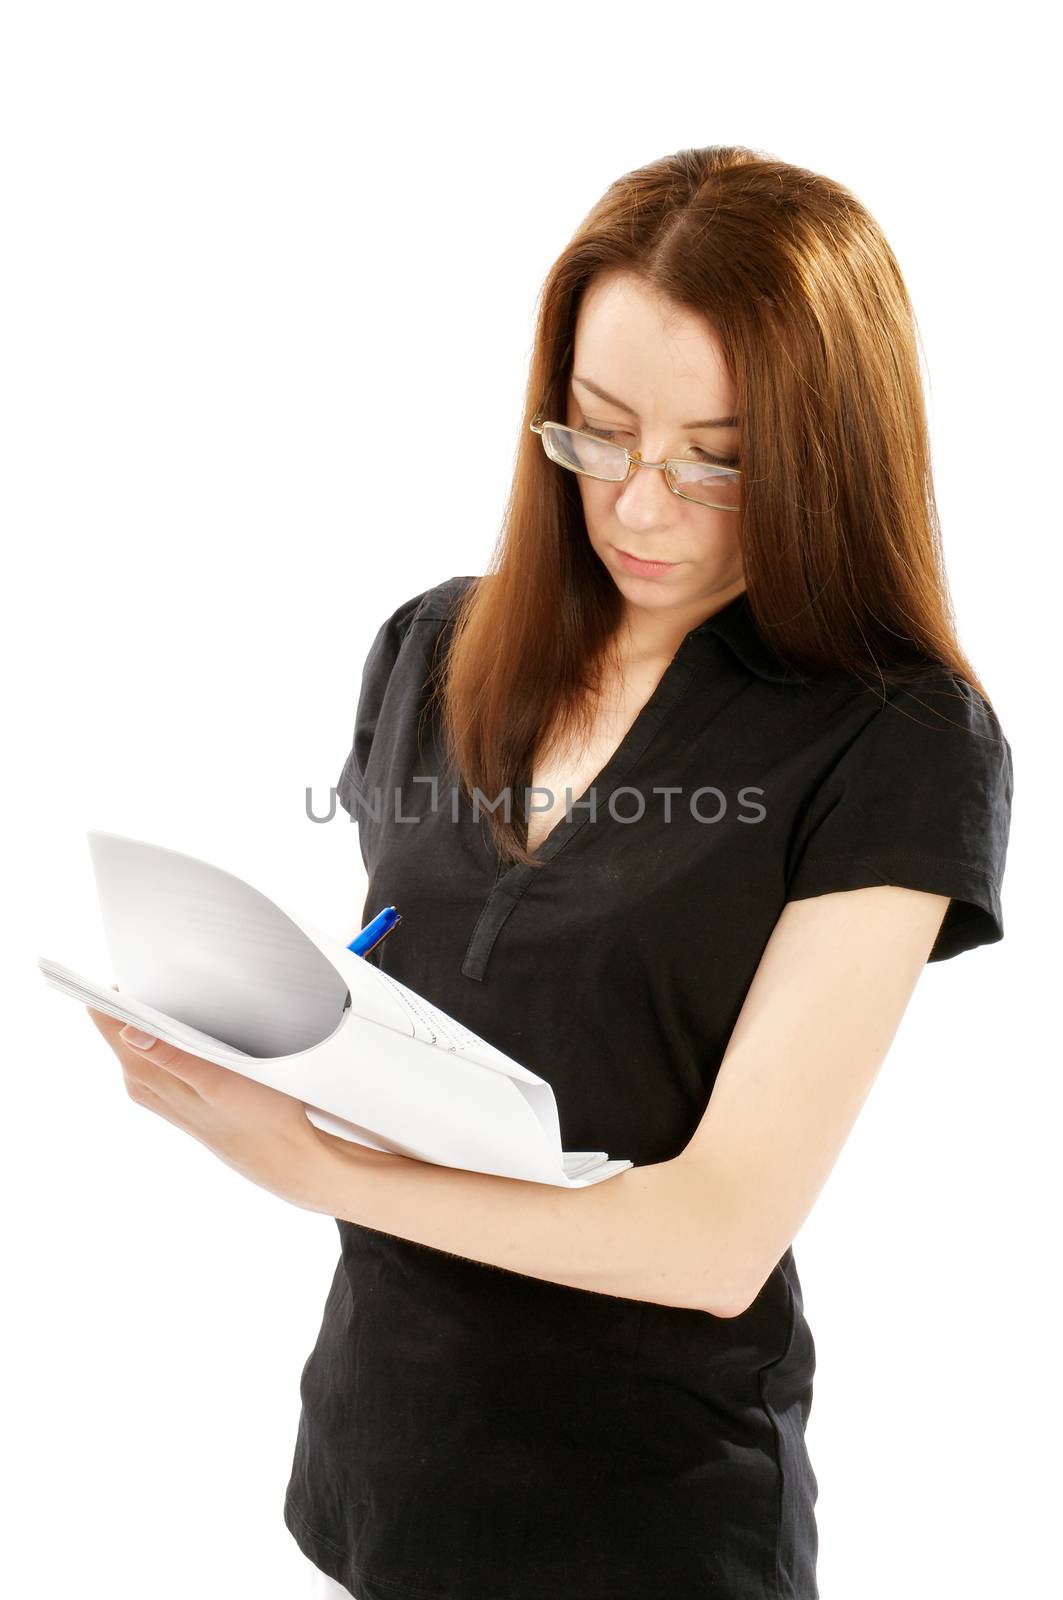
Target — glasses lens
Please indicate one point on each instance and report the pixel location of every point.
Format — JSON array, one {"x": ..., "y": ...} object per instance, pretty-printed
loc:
[
  {"x": 582, "y": 453},
  {"x": 712, "y": 486}
]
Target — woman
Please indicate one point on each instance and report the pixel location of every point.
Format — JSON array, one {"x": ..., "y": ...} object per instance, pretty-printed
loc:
[{"x": 717, "y": 632}]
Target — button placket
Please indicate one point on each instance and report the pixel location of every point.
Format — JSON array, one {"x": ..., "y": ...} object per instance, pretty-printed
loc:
[{"x": 510, "y": 885}]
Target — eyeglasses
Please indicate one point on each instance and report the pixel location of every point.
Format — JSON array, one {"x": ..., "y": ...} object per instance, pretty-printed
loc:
[
  {"x": 595, "y": 457},
  {"x": 704, "y": 482}
]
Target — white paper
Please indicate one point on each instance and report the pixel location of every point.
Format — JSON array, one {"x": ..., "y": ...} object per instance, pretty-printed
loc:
[{"x": 209, "y": 964}]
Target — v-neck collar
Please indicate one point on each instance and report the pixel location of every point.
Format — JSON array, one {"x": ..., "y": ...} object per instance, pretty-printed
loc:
[
  {"x": 511, "y": 882},
  {"x": 733, "y": 623}
]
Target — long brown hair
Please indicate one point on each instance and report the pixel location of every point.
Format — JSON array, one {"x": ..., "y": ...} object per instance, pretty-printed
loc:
[{"x": 838, "y": 529}]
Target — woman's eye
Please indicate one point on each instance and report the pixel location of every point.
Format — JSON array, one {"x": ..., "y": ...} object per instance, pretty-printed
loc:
[
  {"x": 697, "y": 452},
  {"x": 599, "y": 433}
]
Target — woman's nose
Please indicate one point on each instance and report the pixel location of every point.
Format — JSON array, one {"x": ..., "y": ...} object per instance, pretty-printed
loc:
[{"x": 646, "y": 490}]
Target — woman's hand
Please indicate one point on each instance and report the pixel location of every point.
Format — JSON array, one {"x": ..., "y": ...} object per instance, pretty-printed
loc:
[{"x": 258, "y": 1131}]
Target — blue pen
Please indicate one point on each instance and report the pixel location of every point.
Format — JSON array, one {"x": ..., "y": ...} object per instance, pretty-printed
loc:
[{"x": 374, "y": 931}]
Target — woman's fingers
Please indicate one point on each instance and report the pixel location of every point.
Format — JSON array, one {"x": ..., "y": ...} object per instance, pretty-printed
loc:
[
  {"x": 151, "y": 1067},
  {"x": 260, "y": 1132},
  {"x": 198, "y": 1074}
]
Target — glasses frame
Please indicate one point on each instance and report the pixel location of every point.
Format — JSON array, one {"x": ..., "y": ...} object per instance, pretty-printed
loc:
[{"x": 634, "y": 457}]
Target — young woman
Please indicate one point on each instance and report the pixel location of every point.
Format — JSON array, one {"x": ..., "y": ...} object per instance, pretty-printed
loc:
[{"x": 714, "y": 655}]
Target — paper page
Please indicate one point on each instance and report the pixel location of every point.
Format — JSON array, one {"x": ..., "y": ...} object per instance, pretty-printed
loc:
[
  {"x": 211, "y": 965},
  {"x": 426, "y": 1020},
  {"x": 205, "y": 947},
  {"x": 389, "y": 1091},
  {"x": 113, "y": 1003},
  {"x": 202, "y": 945}
]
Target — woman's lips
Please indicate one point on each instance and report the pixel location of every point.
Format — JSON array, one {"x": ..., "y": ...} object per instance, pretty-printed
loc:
[{"x": 648, "y": 569}]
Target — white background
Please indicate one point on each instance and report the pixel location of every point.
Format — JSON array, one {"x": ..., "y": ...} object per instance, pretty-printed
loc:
[{"x": 251, "y": 253}]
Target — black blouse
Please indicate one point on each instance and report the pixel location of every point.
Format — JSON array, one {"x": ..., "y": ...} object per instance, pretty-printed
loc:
[{"x": 472, "y": 1433}]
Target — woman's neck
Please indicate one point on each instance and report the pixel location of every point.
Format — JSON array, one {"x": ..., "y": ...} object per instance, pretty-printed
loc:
[{"x": 647, "y": 637}]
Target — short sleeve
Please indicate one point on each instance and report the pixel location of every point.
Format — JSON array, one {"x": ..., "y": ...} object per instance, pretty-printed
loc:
[
  {"x": 376, "y": 674},
  {"x": 920, "y": 798}
]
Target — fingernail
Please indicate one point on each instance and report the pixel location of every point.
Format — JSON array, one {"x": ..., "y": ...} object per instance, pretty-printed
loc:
[{"x": 133, "y": 1036}]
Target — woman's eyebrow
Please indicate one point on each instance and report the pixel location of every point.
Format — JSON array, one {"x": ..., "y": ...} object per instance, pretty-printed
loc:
[{"x": 610, "y": 399}]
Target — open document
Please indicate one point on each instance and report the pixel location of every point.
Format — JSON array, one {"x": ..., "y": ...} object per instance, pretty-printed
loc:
[{"x": 207, "y": 963}]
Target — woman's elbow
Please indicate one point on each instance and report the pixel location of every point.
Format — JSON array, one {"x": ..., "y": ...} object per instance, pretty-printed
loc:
[{"x": 724, "y": 1277}]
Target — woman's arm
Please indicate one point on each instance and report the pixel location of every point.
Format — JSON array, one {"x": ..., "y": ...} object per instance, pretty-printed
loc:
[
  {"x": 705, "y": 1229},
  {"x": 634, "y": 1235}
]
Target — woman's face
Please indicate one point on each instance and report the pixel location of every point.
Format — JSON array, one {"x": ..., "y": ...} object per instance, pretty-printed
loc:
[{"x": 664, "y": 369}]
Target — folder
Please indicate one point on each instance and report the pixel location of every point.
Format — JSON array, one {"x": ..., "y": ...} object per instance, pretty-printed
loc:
[{"x": 208, "y": 963}]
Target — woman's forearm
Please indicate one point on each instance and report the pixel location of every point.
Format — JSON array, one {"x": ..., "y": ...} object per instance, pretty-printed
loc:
[{"x": 647, "y": 1234}]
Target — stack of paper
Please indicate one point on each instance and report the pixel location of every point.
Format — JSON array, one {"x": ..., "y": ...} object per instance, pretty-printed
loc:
[{"x": 205, "y": 962}]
